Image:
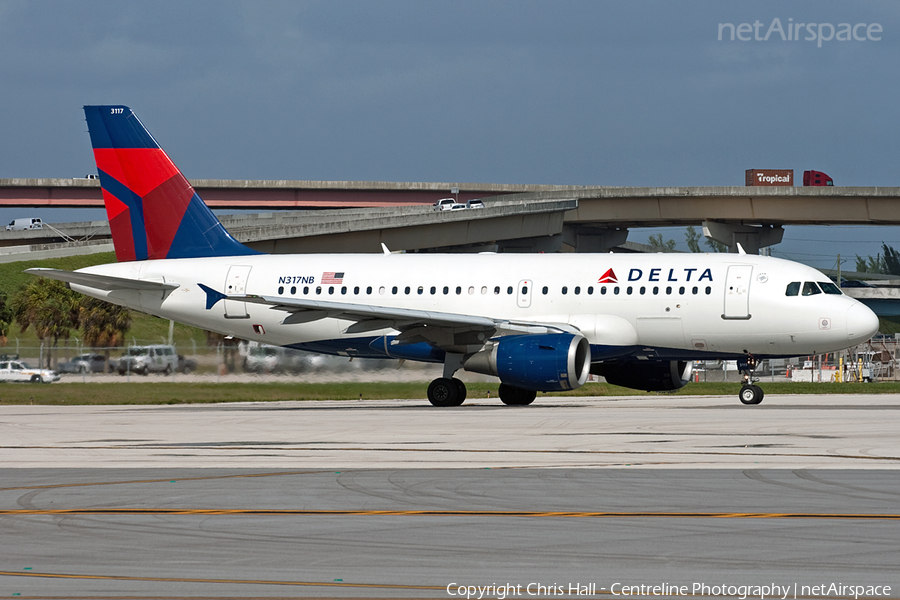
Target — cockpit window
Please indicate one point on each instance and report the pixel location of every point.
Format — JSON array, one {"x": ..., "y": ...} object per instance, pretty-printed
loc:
[
  {"x": 793, "y": 289},
  {"x": 830, "y": 288},
  {"x": 810, "y": 288}
]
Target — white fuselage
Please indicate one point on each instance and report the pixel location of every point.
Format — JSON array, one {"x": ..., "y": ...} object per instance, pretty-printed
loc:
[{"x": 658, "y": 305}]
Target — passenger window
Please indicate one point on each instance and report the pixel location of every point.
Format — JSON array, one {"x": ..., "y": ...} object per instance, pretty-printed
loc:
[
  {"x": 524, "y": 289},
  {"x": 368, "y": 289},
  {"x": 471, "y": 290},
  {"x": 591, "y": 290},
  {"x": 394, "y": 290},
  {"x": 643, "y": 290},
  {"x": 331, "y": 289},
  {"x": 280, "y": 290},
  {"x": 421, "y": 290},
  {"x": 655, "y": 290},
  {"x": 565, "y": 290},
  {"x": 458, "y": 290},
  {"x": 356, "y": 290},
  {"x": 446, "y": 290},
  {"x": 810, "y": 289},
  {"x": 681, "y": 290},
  {"x": 668, "y": 289},
  {"x": 603, "y": 291},
  {"x": 343, "y": 290},
  {"x": 708, "y": 290},
  {"x": 830, "y": 288},
  {"x": 318, "y": 289},
  {"x": 406, "y": 290},
  {"x": 544, "y": 290},
  {"x": 695, "y": 290},
  {"x": 616, "y": 290},
  {"x": 577, "y": 290},
  {"x": 433, "y": 290},
  {"x": 293, "y": 290},
  {"x": 793, "y": 289},
  {"x": 497, "y": 290},
  {"x": 629, "y": 290},
  {"x": 509, "y": 290}
]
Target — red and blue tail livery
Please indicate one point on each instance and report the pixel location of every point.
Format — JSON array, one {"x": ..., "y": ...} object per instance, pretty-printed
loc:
[{"x": 153, "y": 210}]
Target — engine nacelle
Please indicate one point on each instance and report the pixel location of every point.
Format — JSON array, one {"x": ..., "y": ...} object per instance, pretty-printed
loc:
[
  {"x": 657, "y": 376},
  {"x": 546, "y": 362}
]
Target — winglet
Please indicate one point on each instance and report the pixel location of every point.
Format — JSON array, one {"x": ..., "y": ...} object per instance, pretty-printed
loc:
[{"x": 212, "y": 296}]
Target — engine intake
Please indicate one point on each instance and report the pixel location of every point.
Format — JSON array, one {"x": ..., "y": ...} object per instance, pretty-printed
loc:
[{"x": 546, "y": 362}]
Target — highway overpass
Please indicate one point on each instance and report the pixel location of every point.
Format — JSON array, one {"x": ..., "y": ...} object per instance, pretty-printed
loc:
[{"x": 543, "y": 219}]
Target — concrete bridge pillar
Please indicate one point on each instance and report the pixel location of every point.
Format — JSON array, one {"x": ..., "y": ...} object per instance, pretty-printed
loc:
[{"x": 750, "y": 237}]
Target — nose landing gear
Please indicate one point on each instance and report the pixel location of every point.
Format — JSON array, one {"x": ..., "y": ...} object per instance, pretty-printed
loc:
[{"x": 750, "y": 392}]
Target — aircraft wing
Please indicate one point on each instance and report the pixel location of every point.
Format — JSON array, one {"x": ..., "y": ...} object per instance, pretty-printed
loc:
[
  {"x": 450, "y": 331},
  {"x": 103, "y": 282}
]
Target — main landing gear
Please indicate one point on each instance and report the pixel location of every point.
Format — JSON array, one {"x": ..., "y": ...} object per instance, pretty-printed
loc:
[
  {"x": 750, "y": 392},
  {"x": 450, "y": 391}
]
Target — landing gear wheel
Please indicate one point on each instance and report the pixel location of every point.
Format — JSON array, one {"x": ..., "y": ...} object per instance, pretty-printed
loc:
[
  {"x": 515, "y": 396},
  {"x": 460, "y": 390},
  {"x": 751, "y": 394},
  {"x": 444, "y": 392}
]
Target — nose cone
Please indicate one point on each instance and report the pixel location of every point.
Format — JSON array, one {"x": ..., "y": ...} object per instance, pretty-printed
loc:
[{"x": 862, "y": 323}]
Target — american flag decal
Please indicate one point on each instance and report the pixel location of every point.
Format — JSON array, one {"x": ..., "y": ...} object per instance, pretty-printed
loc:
[{"x": 332, "y": 277}]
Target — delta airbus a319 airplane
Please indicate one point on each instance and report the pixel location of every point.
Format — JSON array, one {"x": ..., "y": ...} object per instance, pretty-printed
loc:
[{"x": 538, "y": 322}]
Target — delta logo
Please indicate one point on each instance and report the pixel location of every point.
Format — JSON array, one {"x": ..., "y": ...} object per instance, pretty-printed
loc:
[
  {"x": 674, "y": 275},
  {"x": 608, "y": 277}
]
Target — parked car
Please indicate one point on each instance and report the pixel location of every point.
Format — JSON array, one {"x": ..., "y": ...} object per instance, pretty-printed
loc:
[
  {"x": 148, "y": 359},
  {"x": 87, "y": 363},
  {"x": 186, "y": 365},
  {"x": 18, "y": 371},
  {"x": 476, "y": 203}
]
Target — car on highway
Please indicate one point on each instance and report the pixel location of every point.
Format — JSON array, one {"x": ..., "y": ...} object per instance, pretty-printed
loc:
[
  {"x": 12, "y": 371},
  {"x": 87, "y": 363},
  {"x": 475, "y": 203},
  {"x": 443, "y": 204}
]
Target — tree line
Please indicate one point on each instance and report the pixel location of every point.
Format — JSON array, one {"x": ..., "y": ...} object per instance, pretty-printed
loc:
[{"x": 54, "y": 312}]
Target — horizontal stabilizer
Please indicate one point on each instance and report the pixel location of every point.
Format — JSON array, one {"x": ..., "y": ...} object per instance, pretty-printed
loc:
[{"x": 102, "y": 282}]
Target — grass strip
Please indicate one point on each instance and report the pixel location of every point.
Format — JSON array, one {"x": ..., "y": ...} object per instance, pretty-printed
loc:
[{"x": 192, "y": 393}]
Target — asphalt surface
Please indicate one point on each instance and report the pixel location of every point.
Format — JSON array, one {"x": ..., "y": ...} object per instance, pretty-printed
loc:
[{"x": 397, "y": 499}]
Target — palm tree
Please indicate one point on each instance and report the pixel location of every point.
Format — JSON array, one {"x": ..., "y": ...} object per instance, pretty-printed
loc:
[
  {"x": 103, "y": 325},
  {"x": 6, "y": 319},
  {"x": 50, "y": 308}
]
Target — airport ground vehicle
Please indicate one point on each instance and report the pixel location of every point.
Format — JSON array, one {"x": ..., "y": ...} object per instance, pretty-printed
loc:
[
  {"x": 87, "y": 363},
  {"x": 148, "y": 359},
  {"x": 12, "y": 371},
  {"x": 25, "y": 224}
]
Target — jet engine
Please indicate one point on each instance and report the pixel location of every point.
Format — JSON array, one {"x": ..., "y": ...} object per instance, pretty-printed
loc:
[
  {"x": 656, "y": 376},
  {"x": 546, "y": 362}
]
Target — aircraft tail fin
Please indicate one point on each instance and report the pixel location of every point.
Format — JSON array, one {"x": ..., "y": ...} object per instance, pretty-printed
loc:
[{"x": 153, "y": 210}]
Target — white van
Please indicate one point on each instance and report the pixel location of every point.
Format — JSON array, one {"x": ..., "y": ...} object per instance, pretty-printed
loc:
[{"x": 25, "y": 224}]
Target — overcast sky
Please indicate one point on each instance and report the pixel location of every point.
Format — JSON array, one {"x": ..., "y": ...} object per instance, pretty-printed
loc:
[{"x": 583, "y": 93}]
